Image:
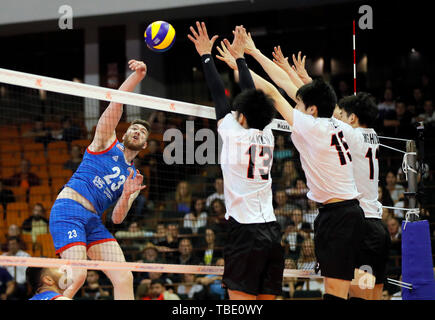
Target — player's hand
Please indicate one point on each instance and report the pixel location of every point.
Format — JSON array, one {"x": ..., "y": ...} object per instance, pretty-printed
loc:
[
  {"x": 299, "y": 67},
  {"x": 133, "y": 185},
  {"x": 138, "y": 66},
  {"x": 226, "y": 56},
  {"x": 250, "y": 47},
  {"x": 237, "y": 48},
  {"x": 200, "y": 38},
  {"x": 280, "y": 60}
]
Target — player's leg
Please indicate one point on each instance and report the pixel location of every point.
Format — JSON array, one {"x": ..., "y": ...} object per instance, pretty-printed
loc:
[
  {"x": 69, "y": 238},
  {"x": 122, "y": 281},
  {"x": 271, "y": 278},
  {"x": 78, "y": 276},
  {"x": 239, "y": 295},
  {"x": 338, "y": 236}
]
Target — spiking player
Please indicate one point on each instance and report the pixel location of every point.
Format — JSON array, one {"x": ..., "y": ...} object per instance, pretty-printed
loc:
[
  {"x": 360, "y": 113},
  {"x": 45, "y": 283},
  {"x": 254, "y": 259},
  {"x": 105, "y": 176}
]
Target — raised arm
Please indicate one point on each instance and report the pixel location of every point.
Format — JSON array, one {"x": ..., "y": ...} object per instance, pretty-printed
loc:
[
  {"x": 282, "y": 62},
  {"x": 105, "y": 132},
  {"x": 278, "y": 75},
  {"x": 203, "y": 45}
]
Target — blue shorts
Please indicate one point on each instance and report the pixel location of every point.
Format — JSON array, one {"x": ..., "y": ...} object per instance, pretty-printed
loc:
[{"x": 71, "y": 224}]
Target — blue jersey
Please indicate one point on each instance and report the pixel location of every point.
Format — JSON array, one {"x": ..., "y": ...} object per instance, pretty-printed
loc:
[
  {"x": 47, "y": 295},
  {"x": 101, "y": 175}
]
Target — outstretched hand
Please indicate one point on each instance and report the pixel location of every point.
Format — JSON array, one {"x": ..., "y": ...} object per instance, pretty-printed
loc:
[
  {"x": 280, "y": 60},
  {"x": 237, "y": 48},
  {"x": 226, "y": 56},
  {"x": 133, "y": 185},
  {"x": 200, "y": 38},
  {"x": 299, "y": 67},
  {"x": 138, "y": 66}
]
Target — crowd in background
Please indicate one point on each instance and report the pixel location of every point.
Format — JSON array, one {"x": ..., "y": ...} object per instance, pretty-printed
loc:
[{"x": 180, "y": 217}]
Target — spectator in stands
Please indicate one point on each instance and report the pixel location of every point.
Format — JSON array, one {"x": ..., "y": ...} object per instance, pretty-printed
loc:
[
  {"x": 343, "y": 90},
  {"x": 394, "y": 189},
  {"x": 385, "y": 199},
  {"x": 426, "y": 86},
  {"x": 183, "y": 198},
  {"x": 196, "y": 219},
  {"x": 7, "y": 284},
  {"x": 133, "y": 231},
  {"x": 307, "y": 259},
  {"x": 160, "y": 234},
  {"x": 139, "y": 205},
  {"x": 395, "y": 235},
  {"x": 219, "y": 194},
  {"x": 428, "y": 117},
  {"x": 17, "y": 273},
  {"x": 417, "y": 99},
  {"x": 6, "y": 196},
  {"x": 398, "y": 123},
  {"x": 209, "y": 253},
  {"x": 157, "y": 292},
  {"x": 154, "y": 160},
  {"x": 36, "y": 224},
  {"x": 76, "y": 158},
  {"x": 14, "y": 231},
  {"x": 150, "y": 254},
  {"x": 289, "y": 175},
  {"x": 217, "y": 216},
  {"x": 69, "y": 131},
  {"x": 282, "y": 209},
  {"x": 388, "y": 104},
  {"x": 291, "y": 241},
  {"x": 213, "y": 284},
  {"x": 92, "y": 290},
  {"x": 170, "y": 245},
  {"x": 189, "y": 289},
  {"x": 39, "y": 132},
  {"x": 299, "y": 193},
  {"x": 24, "y": 179},
  {"x": 310, "y": 213},
  {"x": 185, "y": 253},
  {"x": 297, "y": 217},
  {"x": 386, "y": 295},
  {"x": 281, "y": 153}
]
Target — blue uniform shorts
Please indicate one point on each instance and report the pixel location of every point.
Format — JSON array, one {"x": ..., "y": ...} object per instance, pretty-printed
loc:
[{"x": 71, "y": 224}]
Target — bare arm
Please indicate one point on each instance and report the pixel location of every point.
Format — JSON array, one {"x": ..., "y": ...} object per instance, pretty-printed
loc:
[
  {"x": 283, "y": 63},
  {"x": 105, "y": 132},
  {"x": 131, "y": 190}
]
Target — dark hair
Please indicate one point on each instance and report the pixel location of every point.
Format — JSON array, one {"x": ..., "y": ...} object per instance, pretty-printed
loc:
[
  {"x": 142, "y": 122},
  {"x": 33, "y": 276},
  {"x": 155, "y": 281},
  {"x": 320, "y": 94},
  {"x": 256, "y": 106},
  {"x": 363, "y": 106}
]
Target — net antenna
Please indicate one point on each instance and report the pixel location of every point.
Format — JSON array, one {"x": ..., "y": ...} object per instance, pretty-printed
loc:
[{"x": 354, "y": 60}]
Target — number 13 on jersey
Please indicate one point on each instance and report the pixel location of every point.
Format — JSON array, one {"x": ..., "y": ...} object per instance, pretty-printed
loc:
[{"x": 267, "y": 154}]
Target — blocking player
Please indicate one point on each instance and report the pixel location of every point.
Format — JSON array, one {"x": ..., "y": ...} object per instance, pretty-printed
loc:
[
  {"x": 46, "y": 283},
  {"x": 105, "y": 176},
  {"x": 327, "y": 163},
  {"x": 360, "y": 113},
  {"x": 254, "y": 260}
]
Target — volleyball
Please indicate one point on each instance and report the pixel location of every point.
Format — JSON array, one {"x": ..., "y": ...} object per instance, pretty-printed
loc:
[{"x": 159, "y": 36}]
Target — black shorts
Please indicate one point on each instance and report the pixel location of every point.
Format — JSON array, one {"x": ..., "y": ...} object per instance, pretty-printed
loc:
[
  {"x": 375, "y": 247},
  {"x": 338, "y": 234},
  {"x": 254, "y": 258}
]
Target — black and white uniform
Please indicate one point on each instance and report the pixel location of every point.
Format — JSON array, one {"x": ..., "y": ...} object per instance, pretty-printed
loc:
[
  {"x": 254, "y": 257},
  {"x": 327, "y": 162},
  {"x": 364, "y": 144},
  {"x": 253, "y": 253}
]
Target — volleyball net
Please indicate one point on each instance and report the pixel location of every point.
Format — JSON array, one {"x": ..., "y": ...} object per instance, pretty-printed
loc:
[{"x": 176, "y": 225}]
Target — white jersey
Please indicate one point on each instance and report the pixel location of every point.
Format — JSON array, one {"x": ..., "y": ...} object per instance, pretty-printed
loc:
[
  {"x": 246, "y": 161},
  {"x": 325, "y": 157},
  {"x": 364, "y": 145}
]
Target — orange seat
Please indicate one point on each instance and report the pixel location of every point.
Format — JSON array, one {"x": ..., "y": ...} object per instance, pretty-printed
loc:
[
  {"x": 27, "y": 239},
  {"x": 84, "y": 143},
  {"x": 56, "y": 185},
  {"x": 17, "y": 212},
  {"x": 10, "y": 148},
  {"x": 47, "y": 204},
  {"x": 13, "y": 162},
  {"x": 46, "y": 242},
  {"x": 9, "y": 132},
  {"x": 56, "y": 153},
  {"x": 60, "y": 159},
  {"x": 58, "y": 145},
  {"x": 59, "y": 172},
  {"x": 7, "y": 172},
  {"x": 40, "y": 193},
  {"x": 36, "y": 158},
  {"x": 19, "y": 193},
  {"x": 33, "y": 147}
]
